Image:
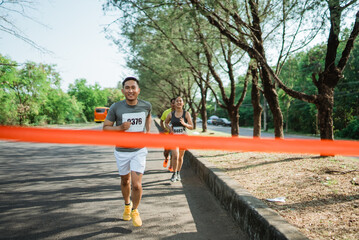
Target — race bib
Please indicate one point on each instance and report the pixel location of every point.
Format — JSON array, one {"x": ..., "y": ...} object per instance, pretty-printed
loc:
[
  {"x": 178, "y": 130},
  {"x": 137, "y": 121}
]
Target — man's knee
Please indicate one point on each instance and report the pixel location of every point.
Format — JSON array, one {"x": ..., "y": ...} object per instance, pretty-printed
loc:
[
  {"x": 136, "y": 186},
  {"x": 125, "y": 181}
]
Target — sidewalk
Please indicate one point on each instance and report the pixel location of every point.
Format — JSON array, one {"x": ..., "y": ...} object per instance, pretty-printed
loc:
[{"x": 53, "y": 191}]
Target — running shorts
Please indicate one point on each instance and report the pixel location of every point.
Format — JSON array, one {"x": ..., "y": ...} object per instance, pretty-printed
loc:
[{"x": 131, "y": 161}]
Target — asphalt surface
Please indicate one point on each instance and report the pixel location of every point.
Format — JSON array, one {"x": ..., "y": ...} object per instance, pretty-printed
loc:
[
  {"x": 248, "y": 132},
  {"x": 51, "y": 191}
]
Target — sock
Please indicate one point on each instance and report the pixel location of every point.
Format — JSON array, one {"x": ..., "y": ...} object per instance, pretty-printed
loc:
[{"x": 128, "y": 204}]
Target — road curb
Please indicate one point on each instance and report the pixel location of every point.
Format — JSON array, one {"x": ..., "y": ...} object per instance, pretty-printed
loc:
[{"x": 255, "y": 218}]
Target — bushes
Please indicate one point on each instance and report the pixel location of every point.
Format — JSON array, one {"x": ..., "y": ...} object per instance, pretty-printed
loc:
[
  {"x": 31, "y": 95},
  {"x": 351, "y": 131}
]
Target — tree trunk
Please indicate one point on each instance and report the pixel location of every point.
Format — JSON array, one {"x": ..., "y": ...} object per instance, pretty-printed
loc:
[
  {"x": 325, "y": 119},
  {"x": 287, "y": 119},
  {"x": 257, "y": 113},
  {"x": 255, "y": 99},
  {"x": 204, "y": 114},
  {"x": 194, "y": 115},
  {"x": 203, "y": 88},
  {"x": 265, "y": 112},
  {"x": 194, "y": 119},
  {"x": 233, "y": 113},
  {"x": 325, "y": 104},
  {"x": 270, "y": 94}
]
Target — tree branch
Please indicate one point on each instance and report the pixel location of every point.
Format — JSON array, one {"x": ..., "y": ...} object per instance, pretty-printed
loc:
[{"x": 350, "y": 44}]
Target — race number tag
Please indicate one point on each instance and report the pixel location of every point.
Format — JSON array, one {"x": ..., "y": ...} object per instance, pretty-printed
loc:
[
  {"x": 178, "y": 130},
  {"x": 137, "y": 121}
]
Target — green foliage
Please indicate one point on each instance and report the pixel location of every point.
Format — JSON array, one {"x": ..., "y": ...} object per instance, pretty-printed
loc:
[
  {"x": 113, "y": 95},
  {"x": 346, "y": 105},
  {"x": 25, "y": 90},
  {"x": 246, "y": 115},
  {"x": 214, "y": 109},
  {"x": 166, "y": 52},
  {"x": 161, "y": 69},
  {"x": 297, "y": 72},
  {"x": 302, "y": 117},
  {"x": 246, "y": 112},
  {"x": 31, "y": 95},
  {"x": 60, "y": 108},
  {"x": 351, "y": 131},
  {"x": 8, "y": 113},
  {"x": 89, "y": 96}
]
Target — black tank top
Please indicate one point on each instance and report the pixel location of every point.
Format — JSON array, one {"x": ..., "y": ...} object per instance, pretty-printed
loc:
[{"x": 177, "y": 126}]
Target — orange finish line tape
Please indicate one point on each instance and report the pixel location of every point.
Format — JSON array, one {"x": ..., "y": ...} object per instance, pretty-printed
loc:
[{"x": 131, "y": 140}]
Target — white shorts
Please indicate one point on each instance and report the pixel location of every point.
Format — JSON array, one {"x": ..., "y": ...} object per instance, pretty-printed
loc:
[{"x": 131, "y": 161}]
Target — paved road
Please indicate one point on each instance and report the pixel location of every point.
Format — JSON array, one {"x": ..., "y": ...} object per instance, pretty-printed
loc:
[
  {"x": 70, "y": 192},
  {"x": 248, "y": 132}
]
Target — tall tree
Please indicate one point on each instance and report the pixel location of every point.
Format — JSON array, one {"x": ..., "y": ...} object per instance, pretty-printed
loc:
[
  {"x": 8, "y": 74},
  {"x": 29, "y": 86},
  {"x": 184, "y": 41},
  {"x": 248, "y": 35},
  {"x": 326, "y": 80},
  {"x": 230, "y": 103}
]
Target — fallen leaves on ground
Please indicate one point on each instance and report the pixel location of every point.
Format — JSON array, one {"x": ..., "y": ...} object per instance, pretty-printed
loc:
[{"x": 321, "y": 194}]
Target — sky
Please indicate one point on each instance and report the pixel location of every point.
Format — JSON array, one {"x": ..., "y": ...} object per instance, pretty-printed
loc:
[{"x": 73, "y": 32}]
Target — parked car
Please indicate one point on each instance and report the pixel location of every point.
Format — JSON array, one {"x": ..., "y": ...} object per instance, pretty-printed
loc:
[
  {"x": 222, "y": 121},
  {"x": 198, "y": 120},
  {"x": 212, "y": 119}
]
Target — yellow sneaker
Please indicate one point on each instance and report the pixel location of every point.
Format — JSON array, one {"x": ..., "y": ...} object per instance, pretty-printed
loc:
[
  {"x": 127, "y": 212},
  {"x": 136, "y": 220}
]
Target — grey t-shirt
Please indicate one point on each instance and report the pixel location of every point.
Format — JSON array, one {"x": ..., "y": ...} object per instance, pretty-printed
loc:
[{"x": 122, "y": 112}]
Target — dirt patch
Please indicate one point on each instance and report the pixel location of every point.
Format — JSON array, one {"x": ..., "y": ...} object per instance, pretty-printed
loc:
[{"x": 321, "y": 193}]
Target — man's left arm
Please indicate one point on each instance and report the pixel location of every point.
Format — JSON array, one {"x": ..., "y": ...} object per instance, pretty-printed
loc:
[{"x": 148, "y": 122}]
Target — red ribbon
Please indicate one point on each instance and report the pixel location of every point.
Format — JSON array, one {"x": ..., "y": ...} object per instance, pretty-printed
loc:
[{"x": 138, "y": 140}]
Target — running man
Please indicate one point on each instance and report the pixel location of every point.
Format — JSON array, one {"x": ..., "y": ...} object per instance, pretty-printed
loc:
[
  {"x": 180, "y": 120},
  {"x": 130, "y": 115},
  {"x": 166, "y": 152}
]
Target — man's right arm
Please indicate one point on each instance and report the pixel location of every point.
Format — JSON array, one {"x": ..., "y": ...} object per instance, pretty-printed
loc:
[{"x": 108, "y": 126}]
